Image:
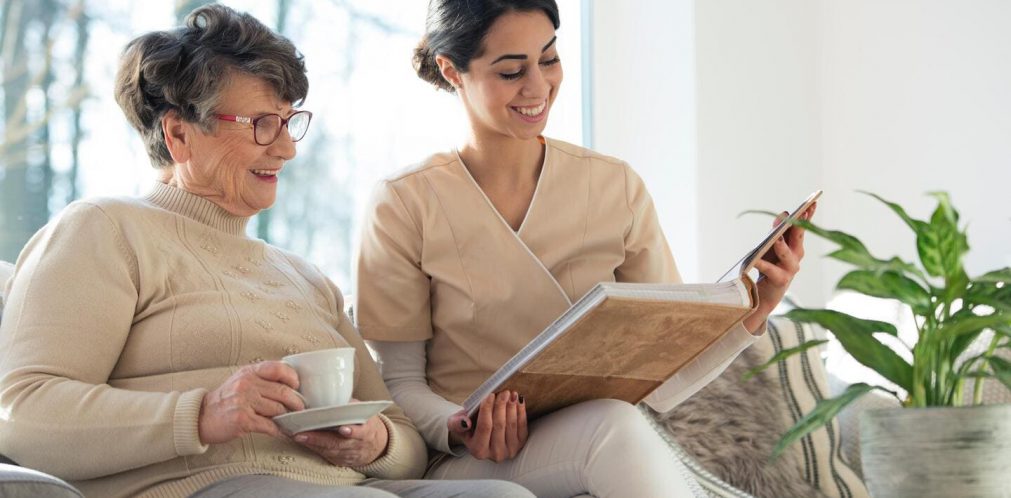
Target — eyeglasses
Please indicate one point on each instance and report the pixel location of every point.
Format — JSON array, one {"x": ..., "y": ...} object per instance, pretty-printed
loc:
[{"x": 267, "y": 128}]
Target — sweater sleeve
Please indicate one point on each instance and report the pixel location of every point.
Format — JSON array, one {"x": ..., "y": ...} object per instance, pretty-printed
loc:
[
  {"x": 405, "y": 456},
  {"x": 69, "y": 314},
  {"x": 404, "y": 373}
]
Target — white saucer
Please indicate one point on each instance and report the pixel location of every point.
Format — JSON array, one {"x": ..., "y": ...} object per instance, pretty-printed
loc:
[{"x": 330, "y": 416}]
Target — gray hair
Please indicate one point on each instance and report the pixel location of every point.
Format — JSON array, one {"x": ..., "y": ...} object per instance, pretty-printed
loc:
[{"x": 185, "y": 69}]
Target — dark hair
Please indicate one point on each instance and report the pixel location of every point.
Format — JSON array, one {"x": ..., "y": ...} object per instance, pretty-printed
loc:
[
  {"x": 185, "y": 70},
  {"x": 456, "y": 29}
]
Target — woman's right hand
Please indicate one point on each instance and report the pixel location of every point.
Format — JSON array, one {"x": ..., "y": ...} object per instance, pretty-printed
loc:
[
  {"x": 247, "y": 401},
  {"x": 501, "y": 429}
]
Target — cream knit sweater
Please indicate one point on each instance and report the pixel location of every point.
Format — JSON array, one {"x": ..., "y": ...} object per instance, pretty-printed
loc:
[{"x": 124, "y": 312}]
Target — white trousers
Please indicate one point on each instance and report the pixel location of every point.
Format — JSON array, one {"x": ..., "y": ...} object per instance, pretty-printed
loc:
[{"x": 604, "y": 448}]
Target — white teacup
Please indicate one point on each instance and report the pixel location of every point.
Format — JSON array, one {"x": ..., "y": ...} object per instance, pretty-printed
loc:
[{"x": 325, "y": 377}]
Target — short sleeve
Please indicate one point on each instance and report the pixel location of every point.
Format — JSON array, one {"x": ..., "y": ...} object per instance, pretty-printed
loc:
[
  {"x": 647, "y": 256},
  {"x": 392, "y": 292}
]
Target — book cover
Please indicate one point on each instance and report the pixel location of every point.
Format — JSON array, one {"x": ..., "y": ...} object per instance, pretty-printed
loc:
[{"x": 620, "y": 341}]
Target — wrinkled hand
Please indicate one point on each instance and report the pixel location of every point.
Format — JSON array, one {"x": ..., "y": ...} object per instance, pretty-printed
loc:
[
  {"x": 247, "y": 401},
  {"x": 349, "y": 445},
  {"x": 777, "y": 268},
  {"x": 501, "y": 429}
]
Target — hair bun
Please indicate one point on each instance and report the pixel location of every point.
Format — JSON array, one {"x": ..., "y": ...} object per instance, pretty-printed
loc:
[{"x": 427, "y": 69}]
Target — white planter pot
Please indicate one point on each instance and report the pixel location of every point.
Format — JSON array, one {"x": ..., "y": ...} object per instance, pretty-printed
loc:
[{"x": 937, "y": 452}]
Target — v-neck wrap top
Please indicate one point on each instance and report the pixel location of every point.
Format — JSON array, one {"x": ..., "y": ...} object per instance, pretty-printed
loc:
[{"x": 438, "y": 263}]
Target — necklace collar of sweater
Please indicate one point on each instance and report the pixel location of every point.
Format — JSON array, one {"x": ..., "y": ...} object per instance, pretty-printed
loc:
[{"x": 197, "y": 208}]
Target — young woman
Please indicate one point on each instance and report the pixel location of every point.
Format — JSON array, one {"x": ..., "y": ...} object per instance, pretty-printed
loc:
[{"x": 470, "y": 254}]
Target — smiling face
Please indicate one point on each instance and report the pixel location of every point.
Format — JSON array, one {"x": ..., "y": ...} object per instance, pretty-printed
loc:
[
  {"x": 227, "y": 166},
  {"x": 509, "y": 89}
]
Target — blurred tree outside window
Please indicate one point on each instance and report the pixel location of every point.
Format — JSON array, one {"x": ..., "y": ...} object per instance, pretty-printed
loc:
[{"x": 64, "y": 137}]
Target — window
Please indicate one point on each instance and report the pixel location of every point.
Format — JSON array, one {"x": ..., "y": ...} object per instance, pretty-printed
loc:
[{"x": 65, "y": 138}]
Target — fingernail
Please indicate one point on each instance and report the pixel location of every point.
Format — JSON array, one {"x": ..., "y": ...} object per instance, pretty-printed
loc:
[
  {"x": 301, "y": 438},
  {"x": 515, "y": 397},
  {"x": 521, "y": 399}
]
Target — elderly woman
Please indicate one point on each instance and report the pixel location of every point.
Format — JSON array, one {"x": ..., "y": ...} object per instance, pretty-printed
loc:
[
  {"x": 142, "y": 335},
  {"x": 470, "y": 254}
]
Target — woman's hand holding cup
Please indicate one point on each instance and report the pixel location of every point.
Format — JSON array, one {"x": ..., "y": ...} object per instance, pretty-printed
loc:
[
  {"x": 326, "y": 379},
  {"x": 247, "y": 401}
]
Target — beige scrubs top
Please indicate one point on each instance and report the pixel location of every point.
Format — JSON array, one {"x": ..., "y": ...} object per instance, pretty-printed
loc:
[{"x": 439, "y": 264}]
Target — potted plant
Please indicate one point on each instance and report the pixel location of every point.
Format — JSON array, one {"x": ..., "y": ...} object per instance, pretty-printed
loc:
[{"x": 935, "y": 445}]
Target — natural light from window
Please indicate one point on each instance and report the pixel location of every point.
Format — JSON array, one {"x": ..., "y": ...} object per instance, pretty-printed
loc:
[{"x": 372, "y": 115}]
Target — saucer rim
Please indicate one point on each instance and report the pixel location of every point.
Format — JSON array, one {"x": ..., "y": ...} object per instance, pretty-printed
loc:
[{"x": 302, "y": 413}]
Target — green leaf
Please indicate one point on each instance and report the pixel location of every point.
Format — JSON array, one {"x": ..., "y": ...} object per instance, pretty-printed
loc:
[
  {"x": 1004, "y": 330},
  {"x": 822, "y": 414},
  {"x": 927, "y": 235},
  {"x": 831, "y": 320},
  {"x": 916, "y": 225},
  {"x": 856, "y": 336},
  {"x": 987, "y": 295},
  {"x": 851, "y": 249},
  {"x": 991, "y": 289},
  {"x": 1002, "y": 275},
  {"x": 888, "y": 285},
  {"x": 961, "y": 324},
  {"x": 955, "y": 285},
  {"x": 962, "y": 342},
  {"x": 782, "y": 355},
  {"x": 940, "y": 244},
  {"x": 864, "y": 261},
  {"x": 944, "y": 208},
  {"x": 1001, "y": 370},
  {"x": 843, "y": 239}
]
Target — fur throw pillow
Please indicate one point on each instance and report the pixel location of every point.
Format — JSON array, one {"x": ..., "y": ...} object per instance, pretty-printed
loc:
[{"x": 731, "y": 426}]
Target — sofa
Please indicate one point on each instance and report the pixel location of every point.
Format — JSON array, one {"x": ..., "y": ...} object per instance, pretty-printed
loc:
[
  {"x": 19, "y": 482},
  {"x": 724, "y": 434}
]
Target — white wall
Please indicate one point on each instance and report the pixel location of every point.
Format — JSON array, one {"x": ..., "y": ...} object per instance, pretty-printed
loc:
[
  {"x": 642, "y": 105},
  {"x": 917, "y": 98},
  {"x": 900, "y": 97},
  {"x": 758, "y": 123}
]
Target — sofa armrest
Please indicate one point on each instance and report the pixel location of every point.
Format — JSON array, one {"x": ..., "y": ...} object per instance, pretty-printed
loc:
[{"x": 19, "y": 482}]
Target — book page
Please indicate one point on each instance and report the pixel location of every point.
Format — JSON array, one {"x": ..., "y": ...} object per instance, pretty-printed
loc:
[{"x": 733, "y": 293}]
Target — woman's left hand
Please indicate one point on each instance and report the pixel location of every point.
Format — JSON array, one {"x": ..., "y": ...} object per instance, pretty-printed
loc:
[
  {"x": 777, "y": 268},
  {"x": 349, "y": 445}
]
